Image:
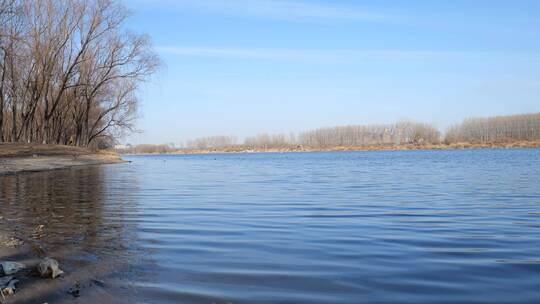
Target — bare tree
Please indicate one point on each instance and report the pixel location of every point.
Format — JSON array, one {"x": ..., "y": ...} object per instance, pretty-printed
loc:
[
  {"x": 212, "y": 142},
  {"x": 268, "y": 141},
  {"x": 69, "y": 70},
  {"x": 7, "y": 14},
  {"x": 359, "y": 135},
  {"x": 499, "y": 129}
]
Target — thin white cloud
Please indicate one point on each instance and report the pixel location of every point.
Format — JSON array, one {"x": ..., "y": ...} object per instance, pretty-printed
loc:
[
  {"x": 292, "y": 10},
  {"x": 335, "y": 55},
  {"x": 235, "y": 53}
]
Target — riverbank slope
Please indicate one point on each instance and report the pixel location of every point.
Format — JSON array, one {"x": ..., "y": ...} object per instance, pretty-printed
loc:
[{"x": 16, "y": 158}]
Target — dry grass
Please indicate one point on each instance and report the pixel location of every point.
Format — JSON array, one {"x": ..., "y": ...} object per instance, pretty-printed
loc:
[
  {"x": 23, "y": 150},
  {"x": 389, "y": 147}
]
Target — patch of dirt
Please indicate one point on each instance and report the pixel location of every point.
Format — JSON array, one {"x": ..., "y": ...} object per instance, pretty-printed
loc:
[{"x": 15, "y": 158}]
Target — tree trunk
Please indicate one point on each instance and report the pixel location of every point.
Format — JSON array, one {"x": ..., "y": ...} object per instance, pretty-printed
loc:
[{"x": 13, "y": 121}]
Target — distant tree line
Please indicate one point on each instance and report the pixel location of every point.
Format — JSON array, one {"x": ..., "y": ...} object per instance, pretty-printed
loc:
[
  {"x": 265, "y": 141},
  {"x": 211, "y": 142},
  {"x": 499, "y": 129},
  {"x": 69, "y": 71},
  {"x": 350, "y": 136},
  {"x": 146, "y": 149},
  {"x": 398, "y": 133},
  {"x": 405, "y": 132}
]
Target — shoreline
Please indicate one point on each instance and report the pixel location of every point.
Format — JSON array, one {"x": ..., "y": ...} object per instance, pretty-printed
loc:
[
  {"x": 30, "y": 286},
  {"x": 405, "y": 147},
  {"x": 27, "y": 158},
  {"x": 15, "y": 246}
]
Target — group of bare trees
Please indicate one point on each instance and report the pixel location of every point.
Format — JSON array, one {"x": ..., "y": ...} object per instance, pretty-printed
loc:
[
  {"x": 500, "y": 129},
  {"x": 524, "y": 127},
  {"x": 211, "y": 142},
  {"x": 346, "y": 136},
  {"x": 69, "y": 71},
  {"x": 359, "y": 135},
  {"x": 266, "y": 141}
]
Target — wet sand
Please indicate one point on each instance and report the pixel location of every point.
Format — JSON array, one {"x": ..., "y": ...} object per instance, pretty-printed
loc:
[{"x": 82, "y": 279}]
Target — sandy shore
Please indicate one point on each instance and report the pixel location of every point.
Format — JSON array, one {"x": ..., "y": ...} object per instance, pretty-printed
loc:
[
  {"x": 34, "y": 289},
  {"x": 17, "y": 158}
]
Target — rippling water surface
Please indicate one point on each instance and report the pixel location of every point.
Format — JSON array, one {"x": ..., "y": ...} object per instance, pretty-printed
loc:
[{"x": 358, "y": 227}]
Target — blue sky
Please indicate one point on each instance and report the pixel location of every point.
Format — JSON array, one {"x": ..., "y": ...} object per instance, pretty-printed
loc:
[{"x": 243, "y": 67}]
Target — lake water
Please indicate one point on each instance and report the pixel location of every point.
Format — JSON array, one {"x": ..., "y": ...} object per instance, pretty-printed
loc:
[{"x": 354, "y": 227}]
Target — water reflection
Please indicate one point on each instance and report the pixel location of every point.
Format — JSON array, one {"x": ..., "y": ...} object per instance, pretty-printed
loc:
[
  {"x": 363, "y": 227},
  {"x": 76, "y": 216}
]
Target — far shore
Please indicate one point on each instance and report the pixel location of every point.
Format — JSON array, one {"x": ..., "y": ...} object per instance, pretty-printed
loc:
[
  {"x": 299, "y": 149},
  {"x": 18, "y": 158}
]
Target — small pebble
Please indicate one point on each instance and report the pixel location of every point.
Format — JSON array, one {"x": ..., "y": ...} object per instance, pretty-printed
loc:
[{"x": 75, "y": 291}]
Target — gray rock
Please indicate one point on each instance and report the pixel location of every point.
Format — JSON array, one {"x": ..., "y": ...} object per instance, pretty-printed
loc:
[
  {"x": 49, "y": 268},
  {"x": 5, "y": 280},
  {"x": 9, "y": 268},
  {"x": 10, "y": 288}
]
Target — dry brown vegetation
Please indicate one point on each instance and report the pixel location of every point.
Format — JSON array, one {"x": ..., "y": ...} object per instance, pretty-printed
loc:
[
  {"x": 212, "y": 142},
  {"x": 354, "y": 136},
  {"x": 326, "y": 138},
  {"x": 387, "y": 147},
  {"x": 147, "y": 149},
  {"x": 500, "y": 129},
  {"x": 8, "y": 150},
  {"x": 69, "y": 71},
  {"x": 15, "y": 158},
  {"x": 512, "y": 131},
  {"x": 25, "y": 150}
]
